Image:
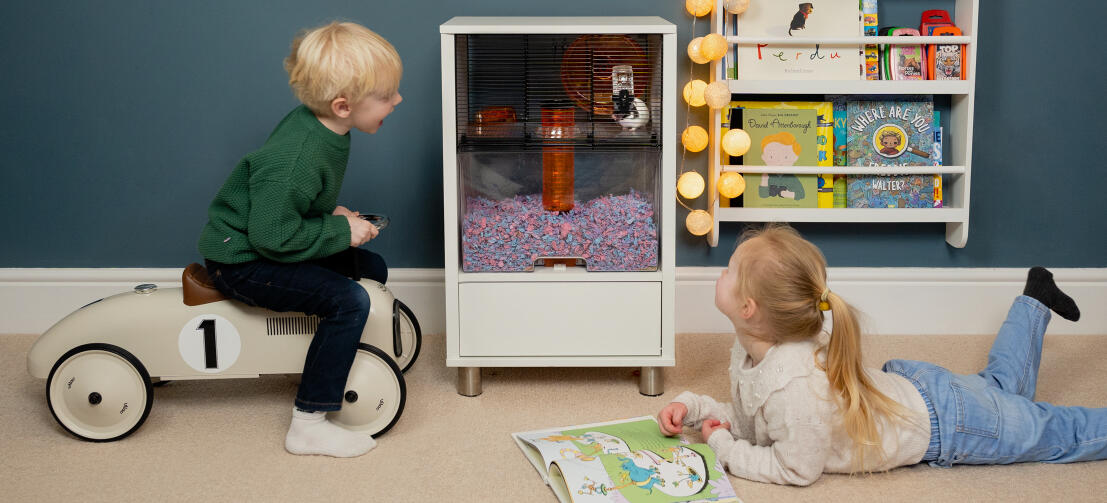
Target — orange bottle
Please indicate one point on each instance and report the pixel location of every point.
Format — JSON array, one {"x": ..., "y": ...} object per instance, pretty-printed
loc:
[{"x": 557, "y": 159}]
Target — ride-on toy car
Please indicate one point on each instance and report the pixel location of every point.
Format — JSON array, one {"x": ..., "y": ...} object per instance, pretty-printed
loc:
[{"x": 100, "y": 362}]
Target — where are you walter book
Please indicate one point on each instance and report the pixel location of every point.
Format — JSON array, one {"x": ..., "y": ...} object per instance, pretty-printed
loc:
[
  {"x": 625, "y": 461},
  {"x": 891, "y": 133}
]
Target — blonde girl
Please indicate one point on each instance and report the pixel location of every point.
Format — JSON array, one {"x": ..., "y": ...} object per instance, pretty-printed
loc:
[{"x": 803, "y": 403}]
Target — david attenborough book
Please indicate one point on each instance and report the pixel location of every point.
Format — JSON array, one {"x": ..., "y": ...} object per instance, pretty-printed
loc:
[
  {"x": 626, "y": 461},
  {"x": 824, "y": 139},
  {"x": 780, "y": 138}
]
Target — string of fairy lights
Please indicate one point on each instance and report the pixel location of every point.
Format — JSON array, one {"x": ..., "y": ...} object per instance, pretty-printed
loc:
[{"x": 716, "y": 95}]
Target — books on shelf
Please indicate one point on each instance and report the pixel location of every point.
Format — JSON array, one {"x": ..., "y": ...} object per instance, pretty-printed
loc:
[
  {"x": 624, "y": 461},
  {"x": 824, "y": 138},
  {"x": 780, "y": 137},
  {"x": 815, "y": 20},
  {"x": 869, "y": 25},
  {"x": 891, "y": 133}
]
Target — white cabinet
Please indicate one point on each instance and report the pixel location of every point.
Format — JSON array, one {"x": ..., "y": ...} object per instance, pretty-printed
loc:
[
  {"x": 522, "y": 96},
  {"x": 957, "y": 169}
]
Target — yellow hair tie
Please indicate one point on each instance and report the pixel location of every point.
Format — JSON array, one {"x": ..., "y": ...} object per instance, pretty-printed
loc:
[{"x": 823, "y": 304}]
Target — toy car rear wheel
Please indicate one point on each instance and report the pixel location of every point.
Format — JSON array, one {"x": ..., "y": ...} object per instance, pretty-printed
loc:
[
  {"x": 375, "y": 393},
  {"x": 99, "y": 392},
  {"x": 410, "y": 336}
]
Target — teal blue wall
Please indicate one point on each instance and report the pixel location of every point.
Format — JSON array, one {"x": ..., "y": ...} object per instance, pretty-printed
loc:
[{"x": 122, "y": 118}]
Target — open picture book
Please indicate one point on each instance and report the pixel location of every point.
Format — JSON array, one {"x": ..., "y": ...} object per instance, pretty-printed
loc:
[{"x": 627, "y": 460}]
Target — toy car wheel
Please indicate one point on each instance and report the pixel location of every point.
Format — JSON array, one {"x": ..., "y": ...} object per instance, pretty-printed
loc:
[
  {"x": 375, "y": 393},
  {"x": 407, "y": 333},
  {"x": 99, "y": 392}
]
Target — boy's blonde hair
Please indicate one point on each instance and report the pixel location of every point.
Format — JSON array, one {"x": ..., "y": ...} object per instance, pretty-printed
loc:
[
  {"x": 341, "y": 60},
  {"x": 786, "y": 276}
]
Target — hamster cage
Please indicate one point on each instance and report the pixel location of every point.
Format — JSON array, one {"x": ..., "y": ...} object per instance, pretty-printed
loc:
[{"x": 558, "y": 178}]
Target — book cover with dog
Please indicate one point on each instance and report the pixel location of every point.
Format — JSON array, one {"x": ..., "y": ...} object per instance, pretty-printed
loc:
[{"x": 806, "y": 20}]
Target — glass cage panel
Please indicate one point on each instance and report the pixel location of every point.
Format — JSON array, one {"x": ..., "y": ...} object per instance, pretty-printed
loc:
[{"x": 559, "y": 151}]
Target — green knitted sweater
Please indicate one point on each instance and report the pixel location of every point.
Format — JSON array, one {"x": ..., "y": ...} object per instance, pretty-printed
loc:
[{"x": 278, "y": 200}]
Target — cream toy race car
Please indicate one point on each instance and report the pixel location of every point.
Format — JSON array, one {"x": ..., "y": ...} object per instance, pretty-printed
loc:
[{"x": 101, "y": 361}]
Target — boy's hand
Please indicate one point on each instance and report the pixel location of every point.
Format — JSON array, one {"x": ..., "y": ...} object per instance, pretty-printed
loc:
[
  {"x": 360, "y": 231},
  {"x": 709, "y": 427},
  {"x": 671, "y": 418},
  {"x": 344, "y": 211}
]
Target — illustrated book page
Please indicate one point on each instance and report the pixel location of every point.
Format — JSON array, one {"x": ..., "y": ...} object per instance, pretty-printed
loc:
[{"x": 626, "y": 461}]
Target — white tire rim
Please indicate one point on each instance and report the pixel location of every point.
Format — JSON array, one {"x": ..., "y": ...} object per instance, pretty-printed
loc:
[
  {"x": 378, "y": 395},
  {"x": 98, "y": 394}
]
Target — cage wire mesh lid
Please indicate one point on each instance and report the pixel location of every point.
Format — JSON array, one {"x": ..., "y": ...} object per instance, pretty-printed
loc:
[{"x": 586, "y": 69}]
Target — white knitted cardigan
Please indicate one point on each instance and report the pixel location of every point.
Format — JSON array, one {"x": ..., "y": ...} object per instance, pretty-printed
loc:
[{"x": 785, "y": 427}]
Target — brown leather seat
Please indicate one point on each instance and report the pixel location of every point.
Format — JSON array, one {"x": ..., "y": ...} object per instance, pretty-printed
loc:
[{"x": 198, "y": 288}]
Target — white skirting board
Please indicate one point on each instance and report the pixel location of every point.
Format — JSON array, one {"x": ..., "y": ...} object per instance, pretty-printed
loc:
[{"x": 895, "y": 301}]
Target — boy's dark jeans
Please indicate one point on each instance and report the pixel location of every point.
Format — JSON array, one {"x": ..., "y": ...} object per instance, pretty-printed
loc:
[{"x": 323, "y": 288}]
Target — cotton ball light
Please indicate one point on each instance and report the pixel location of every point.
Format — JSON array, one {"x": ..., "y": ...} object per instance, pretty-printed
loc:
[
  {"x": 694, "y": 52},
  {"x": 694, "y": 138},
  {"x": 736, "y": 142},
  {"x": 693, "y": 92},
  {"x": 690, "y": 185},
  {"x": 699, "y": 7},
  {"x": 736, "y": 6},
  {"x": 713, "y": 46},
  {"x": 717, "y": 94},
  {"x": 731, "y": 184},
  {"x": 698, "y": 222}
]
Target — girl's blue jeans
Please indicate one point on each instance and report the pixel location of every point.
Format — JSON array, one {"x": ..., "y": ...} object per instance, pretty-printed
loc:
[
  {"x": 323, "y": 288},
  {"x": 991, "y": 417}
]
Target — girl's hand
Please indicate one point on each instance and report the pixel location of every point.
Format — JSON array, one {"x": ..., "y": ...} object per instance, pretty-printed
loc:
[
  {"x": 671, "y": 418},
  {"x": 710, "y": 425},
  {"x": 360, "y": 231}
]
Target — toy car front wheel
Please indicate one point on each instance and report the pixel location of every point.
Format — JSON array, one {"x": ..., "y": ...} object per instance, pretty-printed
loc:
[
  {"x": 375, "y": 393},
  {"x": 99, "y": 392},
  {"x": 407, "y": 333}
]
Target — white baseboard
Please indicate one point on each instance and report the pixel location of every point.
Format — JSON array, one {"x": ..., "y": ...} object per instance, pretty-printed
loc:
[{"x": 896, "y": 301}]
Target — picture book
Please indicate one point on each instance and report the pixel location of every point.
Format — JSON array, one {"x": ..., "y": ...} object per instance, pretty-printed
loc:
[
  {"x": 869, "y": 23},
  {"x": 840, "y": 138},
  {"x": 780, "y": 137},
  {"x": 810, "y": 20},
  {"x": 824, "y": 138},
  {"x": 891, "y": 133},
  {"x": 894, "y": 191},
  {"x": 624, "y": 461}
]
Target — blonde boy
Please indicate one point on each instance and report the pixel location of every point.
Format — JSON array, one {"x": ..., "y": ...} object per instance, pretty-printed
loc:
[{"x": 277, "y": 238}]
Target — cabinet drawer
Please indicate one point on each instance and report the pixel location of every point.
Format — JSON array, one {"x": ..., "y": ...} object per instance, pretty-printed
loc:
[{"x": 560, "y": 319}]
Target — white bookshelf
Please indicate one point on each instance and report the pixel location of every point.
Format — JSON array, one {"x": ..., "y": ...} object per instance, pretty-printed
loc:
[{"x": 957, "y": 139}]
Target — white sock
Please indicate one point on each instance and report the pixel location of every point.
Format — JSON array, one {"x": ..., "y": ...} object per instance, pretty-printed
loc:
[{"x": 312, "y": 433}]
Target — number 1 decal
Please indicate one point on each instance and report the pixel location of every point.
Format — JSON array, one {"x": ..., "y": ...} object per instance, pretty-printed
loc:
[
  {"x": 211, "y": 358},
  {"x": 209, "y": 343}
]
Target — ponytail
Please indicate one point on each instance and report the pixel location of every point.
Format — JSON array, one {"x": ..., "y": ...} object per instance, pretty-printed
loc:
[{"x": 861, "y": 403}]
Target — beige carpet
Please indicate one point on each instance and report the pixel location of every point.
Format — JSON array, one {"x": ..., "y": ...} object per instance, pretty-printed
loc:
[{"x": 223, "y": 440}]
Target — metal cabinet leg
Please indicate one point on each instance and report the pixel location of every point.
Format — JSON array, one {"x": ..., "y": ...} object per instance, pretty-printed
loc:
[
  {"x": 468, "y": 381},
  {"x": 651, "y": 381}
]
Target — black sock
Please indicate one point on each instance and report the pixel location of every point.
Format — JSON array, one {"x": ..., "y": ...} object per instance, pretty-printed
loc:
[{"x": 1040, "y": 285}]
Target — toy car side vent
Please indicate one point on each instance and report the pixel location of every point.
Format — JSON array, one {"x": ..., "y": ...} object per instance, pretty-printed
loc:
[{"x": 291, "y": 325}]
